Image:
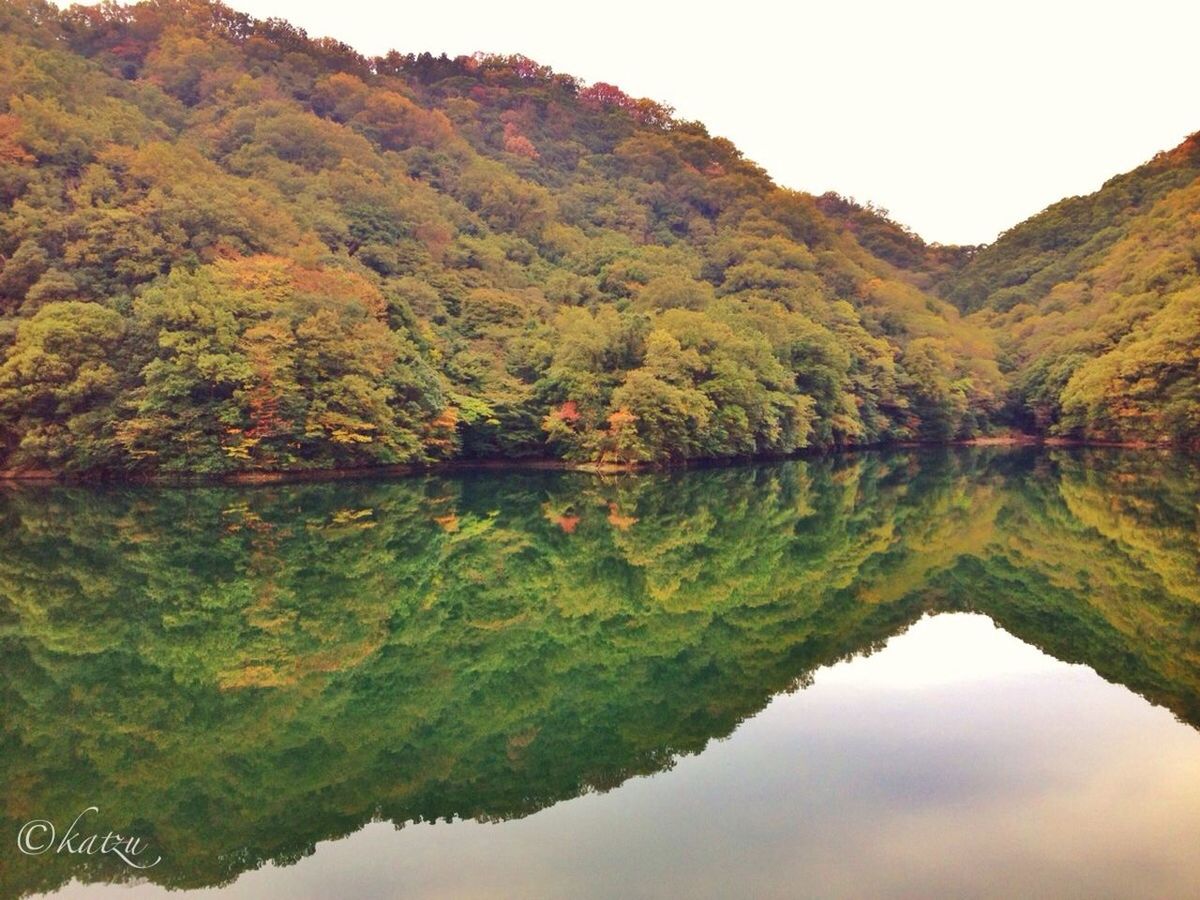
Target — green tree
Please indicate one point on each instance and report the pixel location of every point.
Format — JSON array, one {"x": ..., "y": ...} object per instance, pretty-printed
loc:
[{"x": 59, "y": 387}]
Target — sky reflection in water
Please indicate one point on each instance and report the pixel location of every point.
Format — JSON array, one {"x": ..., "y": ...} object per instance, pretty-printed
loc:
[{"x": 460, "y": 657}]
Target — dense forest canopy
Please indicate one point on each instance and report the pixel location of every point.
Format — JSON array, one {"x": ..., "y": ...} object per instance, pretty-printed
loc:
[
  {"x": 227, "y": 246},
  {"x": 1095, "y": 306}
]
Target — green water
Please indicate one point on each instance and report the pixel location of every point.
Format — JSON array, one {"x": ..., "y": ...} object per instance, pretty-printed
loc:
[{"x": 238, "y": 674}]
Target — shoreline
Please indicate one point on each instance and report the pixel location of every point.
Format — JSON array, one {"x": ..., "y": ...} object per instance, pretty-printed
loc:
[{"x": 408, "y": 470}]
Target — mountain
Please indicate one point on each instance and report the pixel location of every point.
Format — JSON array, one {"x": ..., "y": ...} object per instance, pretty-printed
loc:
[
  {"x": 228, "y": 246},
  {"x": 1095, "y": 303}
]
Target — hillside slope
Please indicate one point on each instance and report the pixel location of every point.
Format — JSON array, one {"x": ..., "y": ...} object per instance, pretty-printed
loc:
[
  {"x": 227, "y": 246},
  {"x": 1095, "y": 303}
]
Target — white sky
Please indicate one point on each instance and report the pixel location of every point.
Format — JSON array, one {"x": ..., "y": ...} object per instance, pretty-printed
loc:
[{"x": 962, "y": 118}]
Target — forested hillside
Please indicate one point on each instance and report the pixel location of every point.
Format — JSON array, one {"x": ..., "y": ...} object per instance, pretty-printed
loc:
[
  {"x": 1093, "y": 304},
  {"x": 1096, "y": 306},
  {"x": 227, "y": 246}
]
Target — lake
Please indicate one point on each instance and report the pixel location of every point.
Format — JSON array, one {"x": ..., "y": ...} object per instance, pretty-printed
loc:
[{"x": 935, "y": 673}]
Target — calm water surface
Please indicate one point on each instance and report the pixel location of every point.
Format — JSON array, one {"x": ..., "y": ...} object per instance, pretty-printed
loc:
[{"x": 967, "y": 673}]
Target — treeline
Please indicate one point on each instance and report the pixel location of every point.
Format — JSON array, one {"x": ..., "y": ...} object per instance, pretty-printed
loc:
[{"x": 227, "y": 246}]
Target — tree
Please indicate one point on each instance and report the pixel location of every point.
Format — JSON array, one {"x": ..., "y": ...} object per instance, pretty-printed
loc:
[
  {"x": 938, "y": 401},
  {"x": 59, "y": 387}
]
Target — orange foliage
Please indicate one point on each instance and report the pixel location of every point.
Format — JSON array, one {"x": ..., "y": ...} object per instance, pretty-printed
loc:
[
  {"x": 644, "y": 112},
  {"x": 618, "y": 521},
  {"x": 567, "y": 522},
  {"x": 281, "y": 276},
  {"x": 620, "y": 418},
  {"x": 442, "y": 432},
  {"x": 11, "y": 150},
  {"x": 517, "y": 144},
  {"x": 436, "y": 238}
]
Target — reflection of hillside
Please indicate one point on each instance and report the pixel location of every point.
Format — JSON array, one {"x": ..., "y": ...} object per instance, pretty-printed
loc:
[
  {"x": 1157, "y": 529},
  {"x": 237, "y": 674},
  {"x": 1100, "y": 564}
]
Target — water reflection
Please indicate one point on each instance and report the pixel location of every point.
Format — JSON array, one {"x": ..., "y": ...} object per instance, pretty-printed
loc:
[{"x": 238, "y": 674}]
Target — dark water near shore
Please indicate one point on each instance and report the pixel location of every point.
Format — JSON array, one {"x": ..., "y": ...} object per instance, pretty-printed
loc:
[{"x": 962, "y": 672}]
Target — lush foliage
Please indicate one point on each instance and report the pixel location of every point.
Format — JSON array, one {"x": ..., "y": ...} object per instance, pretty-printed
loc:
[
  {"x": 237, "y": 674},
  {"x": 224, "y": 246},
  {"x": 227, "y": 246},
  {"x": 1094, "y": 304}
]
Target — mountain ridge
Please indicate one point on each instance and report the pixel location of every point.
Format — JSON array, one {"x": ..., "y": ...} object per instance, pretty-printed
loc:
[{"x": 226, "y": 247}]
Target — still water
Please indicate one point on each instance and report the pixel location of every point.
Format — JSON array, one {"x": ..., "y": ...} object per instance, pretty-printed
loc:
[{"x": 969, "y": 673}]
